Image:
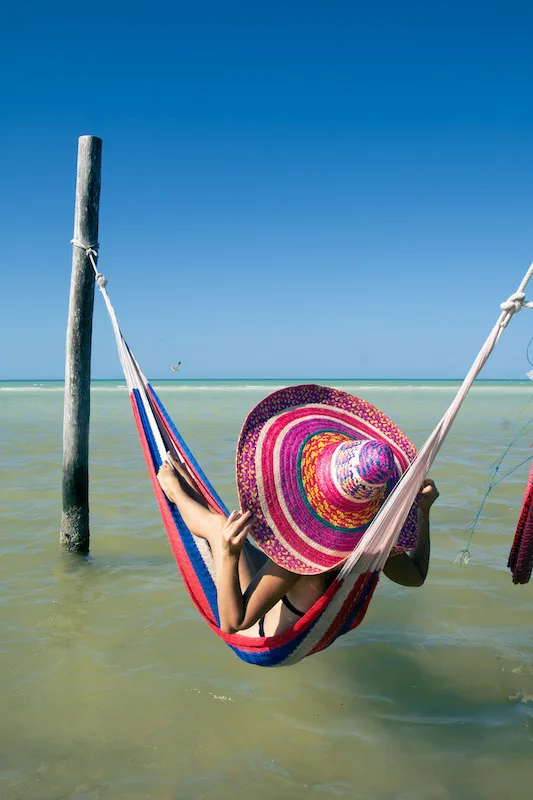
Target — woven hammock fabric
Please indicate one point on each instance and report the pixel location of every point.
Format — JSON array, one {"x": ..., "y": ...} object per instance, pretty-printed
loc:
[
  {"x": 338, "y": 611},
  {"x": 521, "y": 556}
]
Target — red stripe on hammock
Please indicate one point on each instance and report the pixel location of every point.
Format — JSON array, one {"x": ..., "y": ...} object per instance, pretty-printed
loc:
[{"x": 521, "y": 556}]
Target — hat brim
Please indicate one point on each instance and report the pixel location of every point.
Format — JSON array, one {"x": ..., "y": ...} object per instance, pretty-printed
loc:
[{"x": 285, "y": 527}]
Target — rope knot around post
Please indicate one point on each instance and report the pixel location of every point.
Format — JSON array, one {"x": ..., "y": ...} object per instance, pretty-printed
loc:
[{"x": 91, "y": 251}]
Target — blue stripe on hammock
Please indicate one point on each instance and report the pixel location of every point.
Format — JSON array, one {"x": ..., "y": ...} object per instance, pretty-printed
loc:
[
  {"x": 193, "y": 554},
  {"x": 183, "y": 444},
  {"x": 274, "y": 656}
]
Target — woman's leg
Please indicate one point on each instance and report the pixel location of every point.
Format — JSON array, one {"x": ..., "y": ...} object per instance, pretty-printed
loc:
[{"x": 199, "y": 518}]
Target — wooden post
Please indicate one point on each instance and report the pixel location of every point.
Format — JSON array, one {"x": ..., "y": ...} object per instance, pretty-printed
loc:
[{"x": 74, "y": 535}]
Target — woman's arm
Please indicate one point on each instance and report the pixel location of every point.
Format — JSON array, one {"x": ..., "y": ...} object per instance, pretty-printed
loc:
[
  {"x": 238, "y": 611},
  {"x": 411, "y": 569}
]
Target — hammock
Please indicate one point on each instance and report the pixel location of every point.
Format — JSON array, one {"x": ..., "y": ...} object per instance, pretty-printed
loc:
[
  {"x": 343, "y": 606},
  {"x": 339, "y": 610}
]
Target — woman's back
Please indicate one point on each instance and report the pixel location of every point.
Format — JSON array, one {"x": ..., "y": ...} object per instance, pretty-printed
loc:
[{"x": 301, "y": 597}]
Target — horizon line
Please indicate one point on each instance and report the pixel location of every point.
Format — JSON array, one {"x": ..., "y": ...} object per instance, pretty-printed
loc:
[{"x": 263, "y": 378}]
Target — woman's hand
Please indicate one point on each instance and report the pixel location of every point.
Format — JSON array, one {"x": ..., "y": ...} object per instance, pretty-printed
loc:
[
  {"x": 234, "y": 532},
  {"x": 427, "y": 495}
]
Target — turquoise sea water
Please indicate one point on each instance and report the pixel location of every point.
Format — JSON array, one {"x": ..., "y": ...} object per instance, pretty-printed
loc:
[{"x": 113, "y": 687}]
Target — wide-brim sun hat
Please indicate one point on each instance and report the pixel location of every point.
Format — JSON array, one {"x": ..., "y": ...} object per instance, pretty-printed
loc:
[{"x": 314, "y": 465}]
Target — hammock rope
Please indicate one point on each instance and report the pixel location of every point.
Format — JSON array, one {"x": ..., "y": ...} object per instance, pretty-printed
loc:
[{"x": 343, "y": 606}]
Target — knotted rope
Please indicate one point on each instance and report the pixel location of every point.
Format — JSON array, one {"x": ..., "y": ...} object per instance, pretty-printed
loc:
[
  {"x": 516, "y": 301},
  {"x": 513, "y": 304},
  {"x": 91, "y": 251}
]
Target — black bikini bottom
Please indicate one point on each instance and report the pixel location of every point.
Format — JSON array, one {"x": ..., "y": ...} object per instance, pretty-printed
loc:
[{"x": 287, "y": 603}]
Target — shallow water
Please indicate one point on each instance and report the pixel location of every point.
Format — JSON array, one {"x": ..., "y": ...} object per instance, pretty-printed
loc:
[{"x": 113, "y": 687}]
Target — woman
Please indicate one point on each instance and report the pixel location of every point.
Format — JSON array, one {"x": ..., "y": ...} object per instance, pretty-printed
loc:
[{"x": 314, "y": 465}]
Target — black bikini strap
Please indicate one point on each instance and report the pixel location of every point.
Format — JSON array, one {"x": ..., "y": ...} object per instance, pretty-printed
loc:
[{"x": 287, "y": 603}]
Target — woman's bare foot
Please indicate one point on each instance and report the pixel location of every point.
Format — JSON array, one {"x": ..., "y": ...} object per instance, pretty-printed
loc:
[
  {"x": 195, "y": 513},
  {"x": 182, "y": 470},
  {"x": 168, "y": 481},
  {"x": 186, "y": 483}
]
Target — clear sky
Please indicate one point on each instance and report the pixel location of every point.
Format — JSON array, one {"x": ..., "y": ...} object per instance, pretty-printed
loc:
[{"x": 289, "y": 189}]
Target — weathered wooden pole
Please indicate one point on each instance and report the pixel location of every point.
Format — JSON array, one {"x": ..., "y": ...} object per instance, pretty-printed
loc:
[{"x": 74, "y": 535}]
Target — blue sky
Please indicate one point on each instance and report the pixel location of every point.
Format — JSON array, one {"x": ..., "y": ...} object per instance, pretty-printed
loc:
[{"x": 292, "y": 189}]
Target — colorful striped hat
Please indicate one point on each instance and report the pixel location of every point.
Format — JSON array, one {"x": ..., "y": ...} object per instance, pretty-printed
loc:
[{"x": 314, "y": 465}]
